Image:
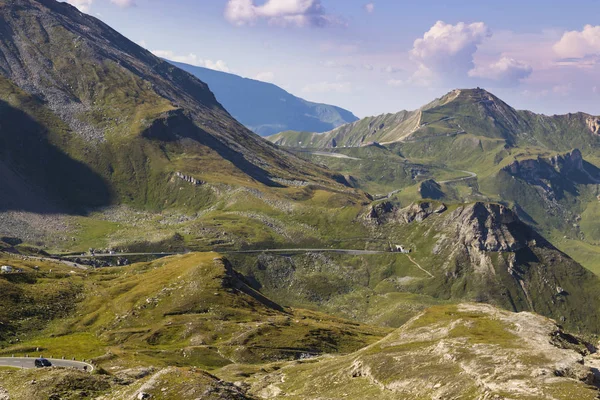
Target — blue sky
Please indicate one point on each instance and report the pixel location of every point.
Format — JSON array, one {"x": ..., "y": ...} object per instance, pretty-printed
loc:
[{"x": 381, "y": 56}]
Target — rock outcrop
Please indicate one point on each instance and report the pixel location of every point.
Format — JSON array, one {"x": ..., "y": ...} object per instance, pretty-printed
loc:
[
  {"x": 420, "y": 211},
  {"x": 468, "y": 351},
  {"x": 189, "y": 179},
  {"x": 487, "y": 227},
  {"x": 535, "y": 170},
  {"x": 386, "y": 212},
  {"x": 594, "y": 124}
]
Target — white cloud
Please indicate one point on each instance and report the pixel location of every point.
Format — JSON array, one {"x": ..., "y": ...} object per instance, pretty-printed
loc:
[
  {"x": 446, "y": 50},
  {"x": 395, "y": 82},
  {"x": 578, "y": 44},
  {"x": 218, "y": 65},
  {"x": 391, "y": 69},
  {"x": 266, "y": 76},
  {"x": 123, "y": 3},
  {"x": 279, "y": 12},
  {"x": 506, "y": 70},
  {"x": 368, "y": 67},
  {"x": 370, "y": 7},
  {"x": 326, "y": 87},
  {"x": 82, "y": 5},
  {"x": 85, "y": 5},
  {"x": 192, "y": 59},
  {"x": 423, "y": 76}
]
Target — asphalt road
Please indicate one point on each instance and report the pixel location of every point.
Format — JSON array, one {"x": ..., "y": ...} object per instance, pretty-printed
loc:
[
  {"x": 119, "y": 255},
  {"x": 21, "y": 362},
  {"x": 68, "y": 263},
  {"x": 464, "y": 178},
  {"x": 342, "y": 251},
  {"x": 334, "y": 155}
]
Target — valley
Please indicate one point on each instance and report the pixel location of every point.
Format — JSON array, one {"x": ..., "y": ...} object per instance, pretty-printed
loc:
[{"x": 449, "y": 252}]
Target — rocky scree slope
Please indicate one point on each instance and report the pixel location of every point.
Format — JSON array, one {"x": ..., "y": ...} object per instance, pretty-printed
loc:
[
  {"x": 550, "y": 190},
  {"x": 126, "y": 384},
  {"x": 484, "y": 252},
  {"x": 466, "y": 351}
]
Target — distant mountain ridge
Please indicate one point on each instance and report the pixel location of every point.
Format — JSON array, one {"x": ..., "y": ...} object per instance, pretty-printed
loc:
[
  {"x": 266, "y": 108},
  {"x": 461, "y": 111}
]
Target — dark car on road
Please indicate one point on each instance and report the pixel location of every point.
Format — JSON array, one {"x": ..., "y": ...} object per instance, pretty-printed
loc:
[{"x": 42, "y": 363}]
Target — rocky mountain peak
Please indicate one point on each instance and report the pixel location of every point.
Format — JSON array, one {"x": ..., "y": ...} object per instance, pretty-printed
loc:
[{"x": 487, "y": 227}]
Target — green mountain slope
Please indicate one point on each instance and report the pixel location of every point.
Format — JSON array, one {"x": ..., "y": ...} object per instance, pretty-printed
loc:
[
  {"x": 474, "y": 112},
  {"x": 191, "y": 310},
  {"x": 544, "y": 167},
  {"x": 137, "y": 123}
]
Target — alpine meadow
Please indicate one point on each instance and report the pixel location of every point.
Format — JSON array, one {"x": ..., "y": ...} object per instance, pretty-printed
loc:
[{"x": 185, "y": 213}]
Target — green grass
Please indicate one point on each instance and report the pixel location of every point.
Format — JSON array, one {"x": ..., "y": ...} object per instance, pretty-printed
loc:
[
  {"x": 79, "y": 345},
  {"x": 192, "y": 305},
  {"x": 586, "y": 254}
]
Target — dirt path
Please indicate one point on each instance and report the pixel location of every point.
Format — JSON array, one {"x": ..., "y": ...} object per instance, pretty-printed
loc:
[{"x": 418, "y": 266}]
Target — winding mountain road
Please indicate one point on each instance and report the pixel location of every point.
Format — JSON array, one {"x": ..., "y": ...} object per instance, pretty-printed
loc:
[
  {"x": 334, "y": 155},
  {"x": 341, "y": 251},
  {"x": 28, "y": 363},
  {"x": 464, "y": 178}
]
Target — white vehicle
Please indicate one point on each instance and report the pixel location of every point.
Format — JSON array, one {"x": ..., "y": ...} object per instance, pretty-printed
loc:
[{"x": 6, "y": 269}]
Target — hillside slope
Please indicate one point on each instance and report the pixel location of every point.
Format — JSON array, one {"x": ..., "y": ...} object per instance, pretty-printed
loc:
[
  {"x": 468, "y": 351},
  {"x": 472, "y": 252},
  {"x": 190, "y": 310},
  {"x": 132, "y": 122},
  {"x": 266, "y": 108}
]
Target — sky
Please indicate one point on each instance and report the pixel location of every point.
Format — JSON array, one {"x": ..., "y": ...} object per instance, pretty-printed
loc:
[{"x": 381, "y": 56}]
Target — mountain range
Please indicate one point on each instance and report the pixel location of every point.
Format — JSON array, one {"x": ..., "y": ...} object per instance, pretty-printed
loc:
[
  {"x": 462, "y": 111},
  {"x": 469, "y": 145},
  {"x": 447, "y": 252},
  {"x": 266, "y": 108}
]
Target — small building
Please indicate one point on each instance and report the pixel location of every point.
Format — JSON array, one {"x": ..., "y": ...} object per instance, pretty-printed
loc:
[
  {"x": 402, "y": 249},
  {"x": 6, "y": 269}
]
